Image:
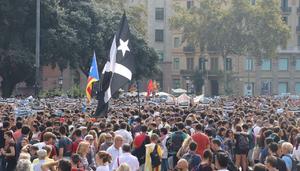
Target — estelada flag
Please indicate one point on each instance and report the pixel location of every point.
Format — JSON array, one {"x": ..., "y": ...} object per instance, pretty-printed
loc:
[
  {"x": 149, "y": 88},
  {"x": 93, "y": 77}
]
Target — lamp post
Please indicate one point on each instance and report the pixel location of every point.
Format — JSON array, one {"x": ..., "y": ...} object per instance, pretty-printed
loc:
[
  {"x": 203, "y": 69},
  {"x": 188, "y": 84},
  {"x": 248, "y": 84},
  {"x": 60, "y": 82},
  {"x": 37, "y": 49}
]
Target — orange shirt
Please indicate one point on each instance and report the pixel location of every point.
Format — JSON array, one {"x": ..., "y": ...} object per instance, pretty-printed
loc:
[
  {"x": 202, "y": 141},
  {"x": 17, "y": 134}
]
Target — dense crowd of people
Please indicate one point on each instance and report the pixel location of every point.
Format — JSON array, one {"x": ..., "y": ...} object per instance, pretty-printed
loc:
[{"x": 232, "y": 133}]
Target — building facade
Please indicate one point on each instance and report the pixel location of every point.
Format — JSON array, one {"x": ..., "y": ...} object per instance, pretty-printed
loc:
[
  {"x": 282, "y": 73},
  {"x": 245, "y": 74}
]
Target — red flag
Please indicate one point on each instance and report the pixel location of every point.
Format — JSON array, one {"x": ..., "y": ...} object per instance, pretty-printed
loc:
[{"x": 149, "y": 88}]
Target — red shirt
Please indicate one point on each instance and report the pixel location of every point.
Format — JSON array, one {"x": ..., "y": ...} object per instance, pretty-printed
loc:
[
  {"x": 202, "y": 141},
  {"x": 75, "y": 145},
  {"x": 17, "y": 134},
  {"x": 77, "y": 169},
  {"x": 139, "y": 139},
  {"x": 53, "y": 152}
]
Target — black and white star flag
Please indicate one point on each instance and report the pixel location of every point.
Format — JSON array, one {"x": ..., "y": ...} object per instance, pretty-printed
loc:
[{"x": 118, "y": 69}]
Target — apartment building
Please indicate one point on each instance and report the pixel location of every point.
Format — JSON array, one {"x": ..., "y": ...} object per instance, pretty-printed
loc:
[
  {"x": 245, "y": 74},
  {"x": 282, "y": 73}
]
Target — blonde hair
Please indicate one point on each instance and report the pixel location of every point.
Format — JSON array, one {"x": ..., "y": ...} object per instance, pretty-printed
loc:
[
  {"x": 25, "y": 156},
  {"x": 83, "y": 148},
  {"x": 286, "y": 146},
  {"x": 101, "y": 138},
  {"x": 94, "y": 134},
  {"x": 123, "y": 167}
]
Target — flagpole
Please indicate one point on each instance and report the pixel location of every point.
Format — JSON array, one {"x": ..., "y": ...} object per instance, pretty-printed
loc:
[{"x": 138, "y": 91}]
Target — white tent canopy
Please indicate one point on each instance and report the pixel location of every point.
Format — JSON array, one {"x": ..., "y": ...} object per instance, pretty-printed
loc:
[
  {"x": 183, "y": 100},
  {"x": 198, "y": 99},
  {"x": 179, "y": 91}
]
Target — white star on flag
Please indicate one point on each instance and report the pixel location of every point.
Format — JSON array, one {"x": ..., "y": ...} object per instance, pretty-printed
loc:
[{"x": 123, "y": 47}]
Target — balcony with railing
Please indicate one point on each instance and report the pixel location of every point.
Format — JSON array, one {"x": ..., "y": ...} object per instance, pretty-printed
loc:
[
  {"x": 189, "y": 49},
  {"x": 286, "y": 10}
]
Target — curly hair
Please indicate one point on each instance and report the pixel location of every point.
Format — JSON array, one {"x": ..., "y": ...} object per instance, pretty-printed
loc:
[{"x": 23, "y": 165}]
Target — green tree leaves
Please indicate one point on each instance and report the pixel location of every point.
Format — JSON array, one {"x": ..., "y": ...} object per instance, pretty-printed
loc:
[
  {"x": 70, "y": 32},
  {"x": 234, "y": 26}
]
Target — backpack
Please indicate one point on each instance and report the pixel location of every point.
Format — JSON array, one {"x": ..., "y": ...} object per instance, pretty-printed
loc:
[
  {"x": 155, "y": 158},
  {"x": 251, "y": 138},
  {"x": 243, "y": 142},
  {"x": 176, "y": 141},
  {"x": 140, "y": 152},
  {"x": 295, "y": 163}
]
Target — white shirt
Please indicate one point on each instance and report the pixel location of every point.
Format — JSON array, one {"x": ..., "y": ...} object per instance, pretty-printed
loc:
[
  {"x": 40, "y": 145},
  {"x": 38, "y": 166},
  {"x": 127, "y": 137},
  {"x": 296, "y": 153},
  {"x": 129, "y": 159},
  {"x": 102, "y": 168},
  {"x": 164, "y": 146},
  {"x": 223, "y": 170},
  {"x": 256, "y": 130},
  {"x": 115, "y": 153}
]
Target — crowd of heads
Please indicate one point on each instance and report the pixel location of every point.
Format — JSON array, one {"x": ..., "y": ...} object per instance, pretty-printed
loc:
[{"x": 261, "y": 133}]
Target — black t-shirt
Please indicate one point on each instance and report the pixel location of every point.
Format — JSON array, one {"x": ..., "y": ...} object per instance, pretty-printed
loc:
[
  {"x": 2, "y": 141},
  {"x": 66, "y": 144},
  {"x": 204, "y": 167}
]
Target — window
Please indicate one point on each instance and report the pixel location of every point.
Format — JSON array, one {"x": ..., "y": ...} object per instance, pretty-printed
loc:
[
  {"x": 283, "y": 64},
  {"x": 266, "y": 64},
  {"x": 285, "y": 19},
  {"x": 159, "y": 35},
  {"x": 161, "y": 56},
  {"x": 284, "y": 3},
  {"x": 176, "y": 83},
  {"x": 228, "y": 64},
  {"x": 297, "y": 88},
  {"x": 249, "y": 64},
  {"x": 176, "y": 63},
  {"x": 214, "y": 64},
  {"x": 159, "y": 13},
  {"x": 189, "y": 63},
  {"x": 297, "y": 65},
  {"x": 298, "y": 40},
  {"x": 189, "y": 4},
  {"x": 282, "y": 87},
  {"x": 202, "y": 63},
  {"x": 266, "y": 88},
  {"x": 176, "y": 42}
]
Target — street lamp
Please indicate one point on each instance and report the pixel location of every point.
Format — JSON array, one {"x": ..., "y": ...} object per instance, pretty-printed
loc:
[
  {"x": 203, "y": 69},
  {"x": 187, "y": 84},
  {"x": 60, "y": 82},
  {"x": 37, "y": 49}
]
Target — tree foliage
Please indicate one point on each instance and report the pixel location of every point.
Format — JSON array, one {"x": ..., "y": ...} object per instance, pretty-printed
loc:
[
  {"x": 71, "y": 31},
  {"x": 233, "y": 27}
]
